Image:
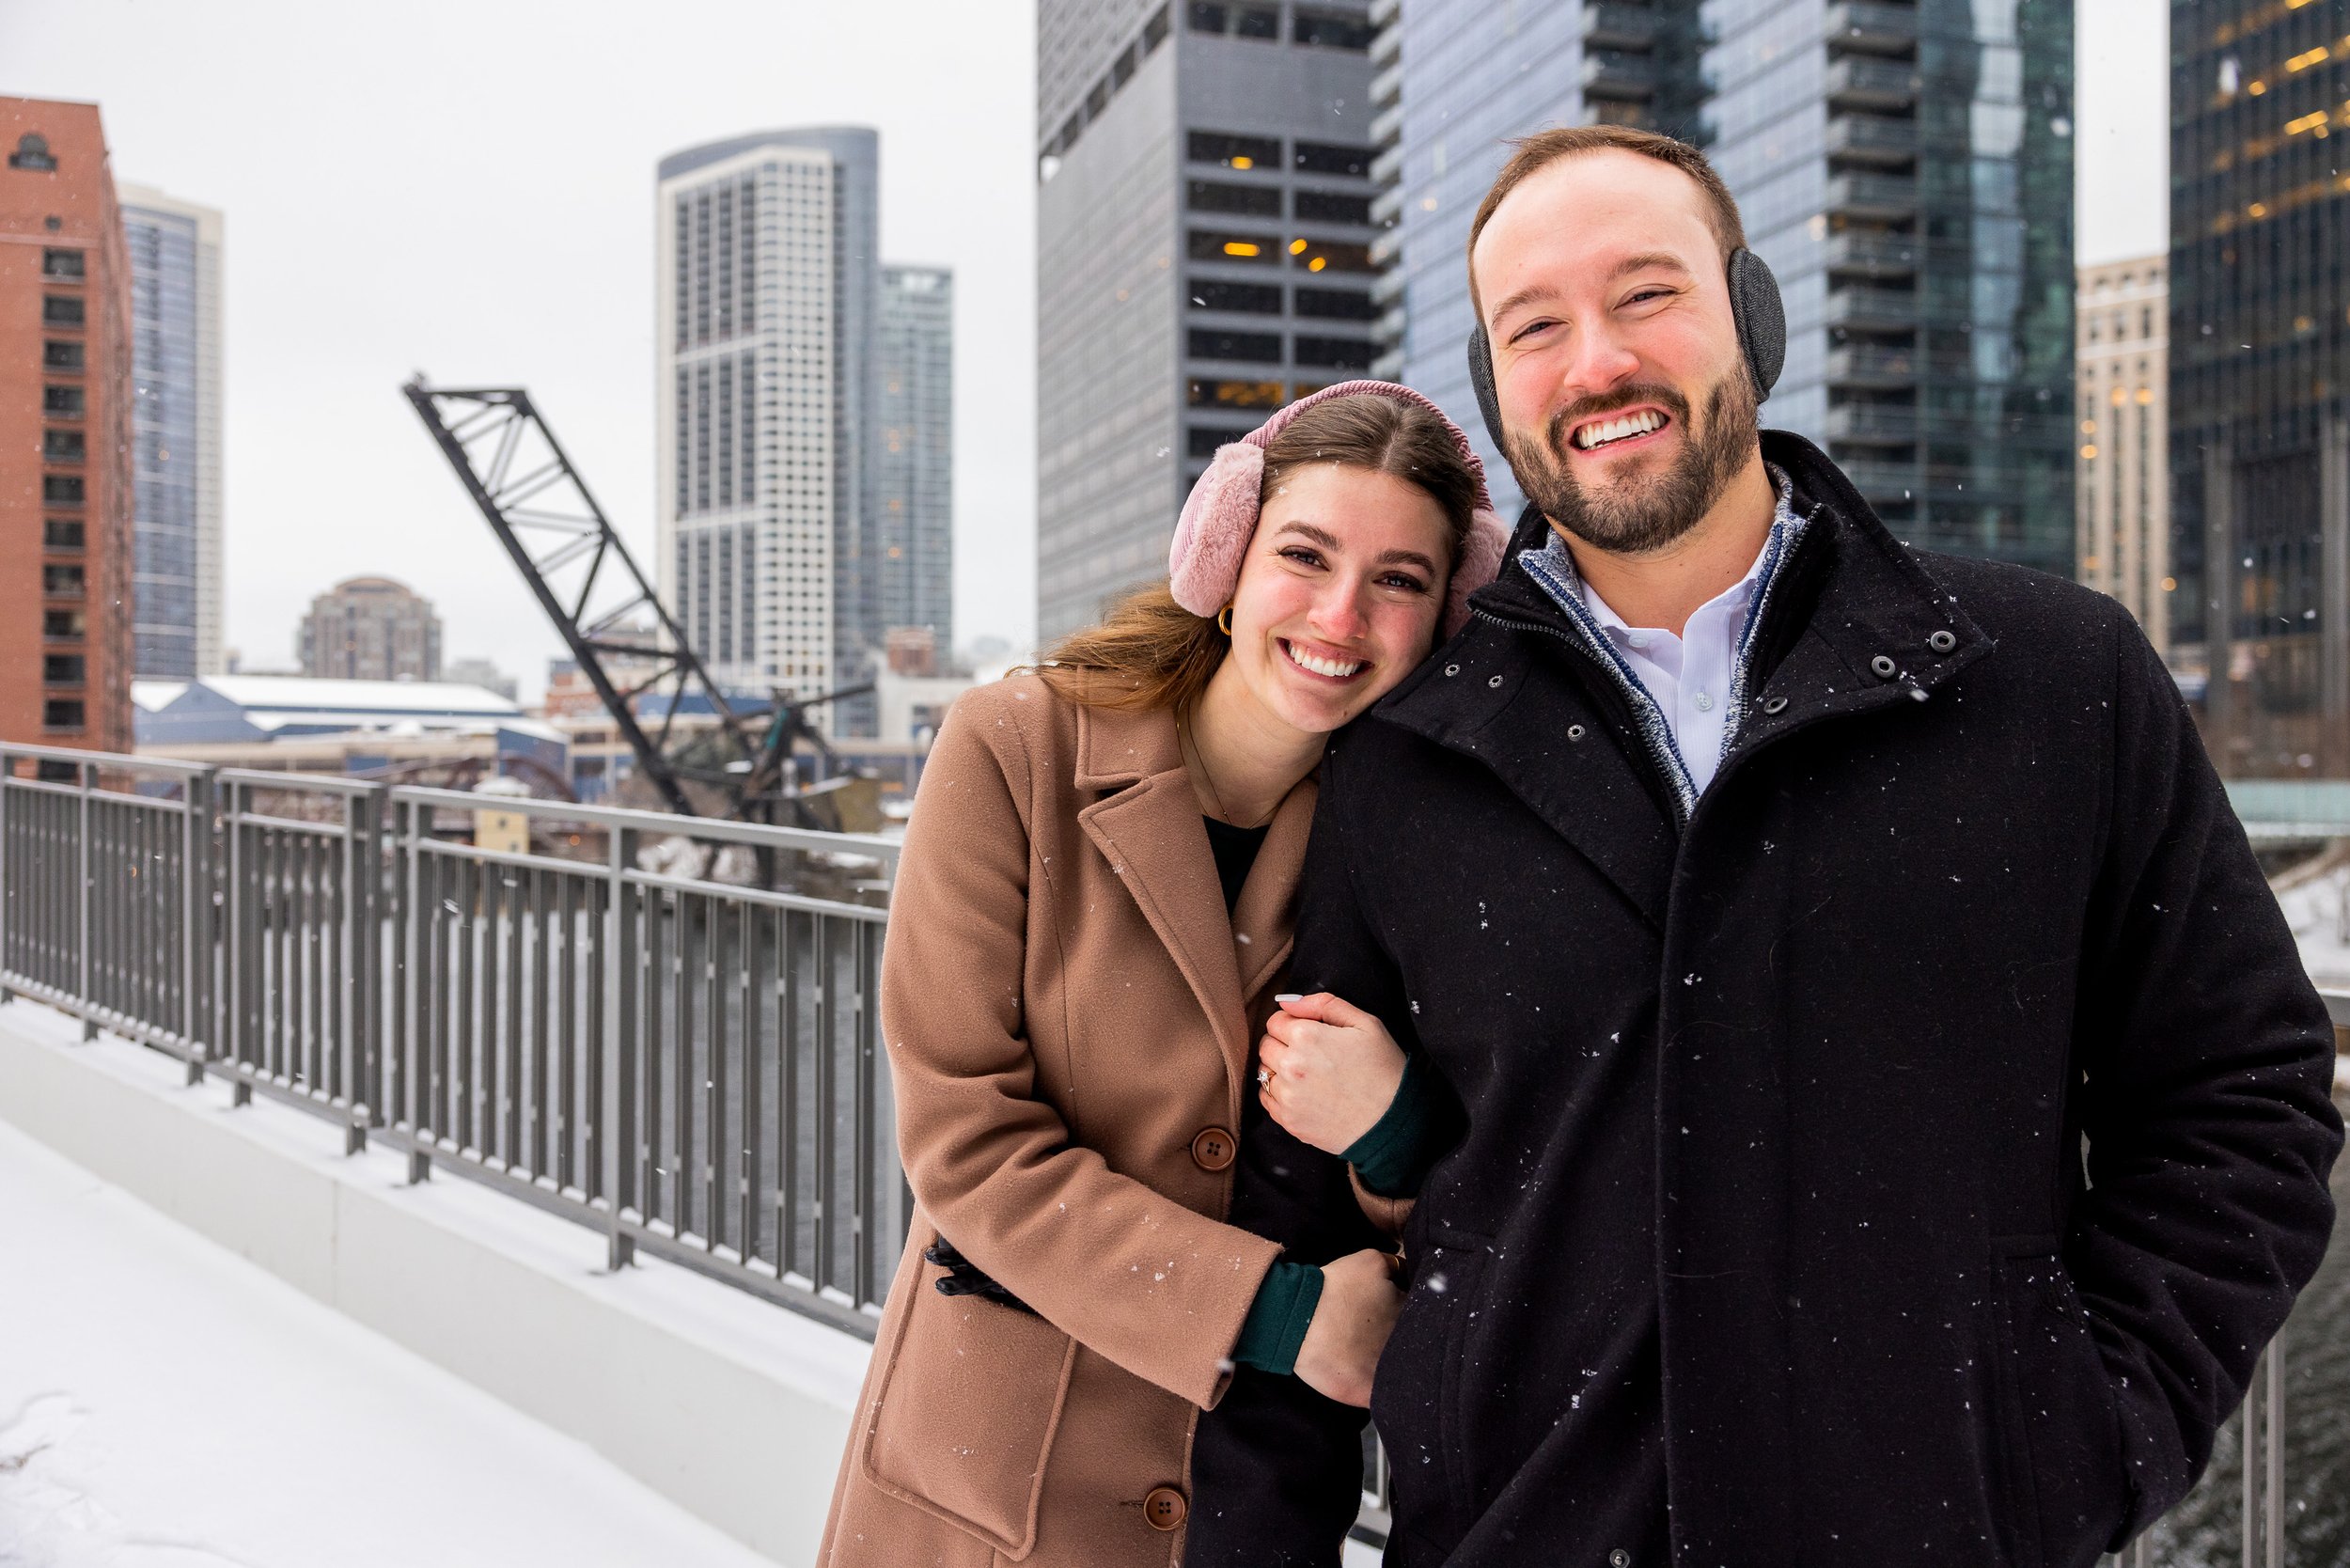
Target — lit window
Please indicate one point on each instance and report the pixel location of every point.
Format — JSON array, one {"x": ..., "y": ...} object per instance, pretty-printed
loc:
[
  {"x": 1213, "y": 245},
  {"x": 1233, "y": 151},
  {"x": 1236, "y": 394},
  {"x": 1335, "y": 255}
]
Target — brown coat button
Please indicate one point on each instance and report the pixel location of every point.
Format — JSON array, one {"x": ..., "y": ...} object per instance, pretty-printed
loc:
[
  {"x": 1214, "y": 1148},
  {"x": 1165, "y": 1508}
]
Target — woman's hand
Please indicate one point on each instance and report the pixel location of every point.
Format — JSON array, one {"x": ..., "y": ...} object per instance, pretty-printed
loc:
[
  {"x": 1351, "y": 1323},
  {"x": 1327, "y": 1070}
]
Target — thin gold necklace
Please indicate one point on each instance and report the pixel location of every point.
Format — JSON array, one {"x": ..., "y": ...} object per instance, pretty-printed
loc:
[{"x": 1190, "y": 743}]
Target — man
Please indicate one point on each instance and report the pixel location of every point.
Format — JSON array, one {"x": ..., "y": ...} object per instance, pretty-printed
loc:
[{"x": 1895, "y": 1115}]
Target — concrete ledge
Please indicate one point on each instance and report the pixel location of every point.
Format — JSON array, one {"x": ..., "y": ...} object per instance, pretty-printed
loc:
[{"x": 732, "y": 1407}]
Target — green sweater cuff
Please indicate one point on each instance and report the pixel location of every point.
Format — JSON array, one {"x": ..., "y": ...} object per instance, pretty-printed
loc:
[
  {"x": 1276, "y": 1326},
  {"x": 1394, "y": 1157}
]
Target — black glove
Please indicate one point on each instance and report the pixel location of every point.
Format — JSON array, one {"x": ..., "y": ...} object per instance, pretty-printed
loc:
[{"x": 963, "y": 1277}]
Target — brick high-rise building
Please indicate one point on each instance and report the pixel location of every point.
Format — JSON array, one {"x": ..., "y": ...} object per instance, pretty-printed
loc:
[
  {"x": 371, "y": 629},
  {"x": 65, "y": 491}
]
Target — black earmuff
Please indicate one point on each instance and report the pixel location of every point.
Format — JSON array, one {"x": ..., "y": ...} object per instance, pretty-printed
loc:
[{"x": 1755, "y": 307}]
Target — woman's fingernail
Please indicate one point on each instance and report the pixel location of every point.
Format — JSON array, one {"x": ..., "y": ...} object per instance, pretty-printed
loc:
[{"x": 1290, "y": 996}]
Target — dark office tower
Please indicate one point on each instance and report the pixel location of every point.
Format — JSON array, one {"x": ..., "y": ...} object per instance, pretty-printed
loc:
[
  {"x": 174, "y": 249},
  {"x": 65, "y": 491},
  {"x": 2260, "y": 379},
  {"x": 1204, "y": 255},
  {"x": 915, "y": 516},
  {"x": 767, "y": 283},
  {"x": 1906, "y": 166}
]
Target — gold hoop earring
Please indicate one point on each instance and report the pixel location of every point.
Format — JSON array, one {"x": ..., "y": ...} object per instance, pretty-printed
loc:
[{"x": 1224, "y": 620}]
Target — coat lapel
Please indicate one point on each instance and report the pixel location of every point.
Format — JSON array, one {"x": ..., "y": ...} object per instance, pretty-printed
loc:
[
  {"x": 1150, "y": 831},
  {"x": 1504, "y": 699}
]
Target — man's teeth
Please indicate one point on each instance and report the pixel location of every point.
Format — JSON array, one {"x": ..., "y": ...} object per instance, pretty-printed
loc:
[
  {"x": 1330, "y": 668},
  {"x": 1616, "y": 430}
]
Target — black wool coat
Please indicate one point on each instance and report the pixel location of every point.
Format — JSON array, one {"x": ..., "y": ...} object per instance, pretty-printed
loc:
[{"x": 1945, "y": 1092}]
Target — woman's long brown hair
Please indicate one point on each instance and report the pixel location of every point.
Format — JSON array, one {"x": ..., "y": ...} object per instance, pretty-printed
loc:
[{"x": 1150, "y": 652}]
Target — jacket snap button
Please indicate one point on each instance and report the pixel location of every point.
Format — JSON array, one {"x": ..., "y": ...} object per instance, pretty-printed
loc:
[
  {"x": 1494, "y": 681},
  {"x": 1883, "y": 666},
  {"x": 1619, "y": 1559},
  {"x": 1774, "y": 704},
  {"x": 1165, "y": 1508},
  {"x": 1574, "y": 731},
  {"x": 1452, "y": 669},
  {"x": 1942, "y": 642},
  {"x": 1212, "y": 1149}
]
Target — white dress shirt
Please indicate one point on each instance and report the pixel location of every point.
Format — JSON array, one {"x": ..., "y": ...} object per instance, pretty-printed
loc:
[{"x": 1689, "y": 676}]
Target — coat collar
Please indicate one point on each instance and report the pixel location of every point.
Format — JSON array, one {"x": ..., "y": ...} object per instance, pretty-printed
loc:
[
  {"x": 1848, "y": 596},
  {"x": 1148, "y": 826}
]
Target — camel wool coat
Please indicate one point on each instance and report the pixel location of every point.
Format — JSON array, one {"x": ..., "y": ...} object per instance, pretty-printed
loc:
[{"x": 1071, "y": 1018}]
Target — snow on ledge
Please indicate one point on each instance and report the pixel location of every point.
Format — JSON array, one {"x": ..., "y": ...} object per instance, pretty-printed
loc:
[{"x": 729, "y": 1406}]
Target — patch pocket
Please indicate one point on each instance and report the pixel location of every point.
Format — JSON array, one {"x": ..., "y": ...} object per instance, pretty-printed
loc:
[
  {"x": 963, "y": 1415},
  {"x": 2059, "y": 1422}
]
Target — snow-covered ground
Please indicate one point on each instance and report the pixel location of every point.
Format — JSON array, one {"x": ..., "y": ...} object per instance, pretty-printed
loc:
[{"x": 164, "y": 1404}]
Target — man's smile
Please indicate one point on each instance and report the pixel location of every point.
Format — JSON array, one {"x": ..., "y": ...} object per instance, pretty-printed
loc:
[{"x": 1615, "y": 431}]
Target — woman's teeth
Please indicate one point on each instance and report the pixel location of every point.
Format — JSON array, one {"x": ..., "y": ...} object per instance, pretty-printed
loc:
[
  {"x": 1616, "y": 430},
  {"x": 1334, "y": 668}
]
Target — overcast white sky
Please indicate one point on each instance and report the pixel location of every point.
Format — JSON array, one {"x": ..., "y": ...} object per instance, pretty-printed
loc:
[{"x": 466, "y": 189}]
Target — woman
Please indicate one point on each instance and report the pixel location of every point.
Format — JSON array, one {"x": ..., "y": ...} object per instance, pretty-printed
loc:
[{"x": 1123, "y": 1285}]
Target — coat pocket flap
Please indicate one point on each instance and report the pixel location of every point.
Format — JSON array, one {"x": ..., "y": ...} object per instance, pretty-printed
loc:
[{"x": 963, "y": 1419}]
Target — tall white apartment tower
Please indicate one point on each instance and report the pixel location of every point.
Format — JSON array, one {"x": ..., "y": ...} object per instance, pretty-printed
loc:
[
  {"x": 767, "y": 293},
  {"x": 173, "y": 248}
]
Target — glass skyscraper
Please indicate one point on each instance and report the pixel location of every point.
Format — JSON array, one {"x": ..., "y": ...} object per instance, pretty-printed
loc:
[
  {"x": 1906, "y": 166},
  {"x": 174, "y": 249},
  {"x": 914, "y": 515},
  {"x": 2260, "y": 379}
]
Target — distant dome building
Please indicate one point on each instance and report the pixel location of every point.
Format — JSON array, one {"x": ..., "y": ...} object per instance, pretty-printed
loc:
[{"x": 371, "y": 629}]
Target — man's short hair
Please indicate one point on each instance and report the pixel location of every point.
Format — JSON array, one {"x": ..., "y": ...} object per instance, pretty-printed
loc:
[{"x": 1543, "y": 149}]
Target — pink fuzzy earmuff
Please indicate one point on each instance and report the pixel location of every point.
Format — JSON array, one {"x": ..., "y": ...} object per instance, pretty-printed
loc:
[{"x": 1220, "y": 517}]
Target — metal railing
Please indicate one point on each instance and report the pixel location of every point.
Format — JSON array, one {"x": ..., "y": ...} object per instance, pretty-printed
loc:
[{"x": 687, "y": 1063}]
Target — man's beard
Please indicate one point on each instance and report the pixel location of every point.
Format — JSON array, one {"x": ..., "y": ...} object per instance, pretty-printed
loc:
[{"x": 1642, "y": 512}]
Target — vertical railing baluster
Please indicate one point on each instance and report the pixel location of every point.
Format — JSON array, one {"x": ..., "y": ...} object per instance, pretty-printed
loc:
[
  {"x": 85, "y": 775},
  {"x": 866, "y": 1192},
  {"x": 826, "y": 1125},
  {"x": 610, "y": 1128},
  {"x": 787, "y": 1056},
  {"x": 2276, "y": 1458}
]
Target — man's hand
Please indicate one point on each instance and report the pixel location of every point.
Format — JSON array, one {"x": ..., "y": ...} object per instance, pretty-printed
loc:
[
  {"x": 1329, "y": 1070},
  {"x": 1357, "y": 1311}
]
